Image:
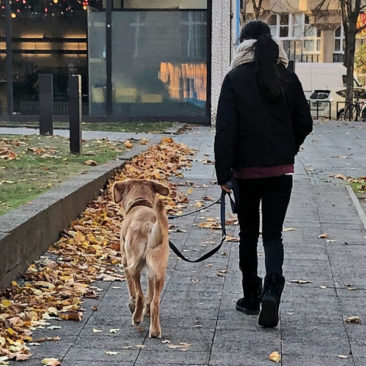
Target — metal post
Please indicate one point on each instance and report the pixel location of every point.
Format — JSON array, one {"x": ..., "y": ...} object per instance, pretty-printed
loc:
[
  {"x": 75, "y": 113},
  {"x": 45, "y": 104},
  {"x": 9, "y": 58},
  {"x": 330, "y": 110},
  {"x": 109, "y": 89}
]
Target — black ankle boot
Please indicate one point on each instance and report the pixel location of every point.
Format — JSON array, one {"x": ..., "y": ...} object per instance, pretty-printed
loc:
[
  {"x": 272, "y": 290},
  {"x": 252, "y": 288}
]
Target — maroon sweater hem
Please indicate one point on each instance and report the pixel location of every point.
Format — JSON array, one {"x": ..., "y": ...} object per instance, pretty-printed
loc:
[{"x": 263, "y": 171}]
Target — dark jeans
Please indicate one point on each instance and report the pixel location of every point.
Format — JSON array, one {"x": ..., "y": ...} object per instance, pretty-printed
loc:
[{"x": 275, "y": 195}]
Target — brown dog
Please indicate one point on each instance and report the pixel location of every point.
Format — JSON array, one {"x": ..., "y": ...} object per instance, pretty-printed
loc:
[{"x": 144, "y": 243}]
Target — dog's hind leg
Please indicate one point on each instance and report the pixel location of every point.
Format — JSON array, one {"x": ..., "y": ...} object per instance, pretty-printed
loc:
[
  {"x": 155, "y": 329},
  {"x": 139, "y": 303},
  {"x": 149, "y": 296},
  {"x": 130, "y": 284}
]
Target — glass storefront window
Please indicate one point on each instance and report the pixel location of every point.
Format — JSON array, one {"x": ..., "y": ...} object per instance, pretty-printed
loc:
[
  {"x": 153, "y": 63},
  {"x": 48, "y": 37},
  {"x": 97, "y": 62},
  {"x": 159, "y": 65}
]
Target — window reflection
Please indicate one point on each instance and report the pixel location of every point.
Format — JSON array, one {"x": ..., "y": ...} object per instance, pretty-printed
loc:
[
  {"x": 185, "y": 81},
  {"x": 49, "y": 36},
  {"x": 159, "y": 66}
]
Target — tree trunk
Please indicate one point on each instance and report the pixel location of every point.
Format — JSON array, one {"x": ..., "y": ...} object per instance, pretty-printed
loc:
[{"x": 349, "y": 62}]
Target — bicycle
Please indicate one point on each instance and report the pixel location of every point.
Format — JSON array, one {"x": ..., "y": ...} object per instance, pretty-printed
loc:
[{"x": 354, "y": 111}]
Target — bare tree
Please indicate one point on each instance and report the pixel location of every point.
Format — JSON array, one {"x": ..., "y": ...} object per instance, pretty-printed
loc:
[
  {"x": 257, "y": 8},
  {"x": 350, "y": 10}
]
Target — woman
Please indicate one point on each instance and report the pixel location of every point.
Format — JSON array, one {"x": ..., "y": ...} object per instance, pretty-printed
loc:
[{"x": 262, "y": 119}]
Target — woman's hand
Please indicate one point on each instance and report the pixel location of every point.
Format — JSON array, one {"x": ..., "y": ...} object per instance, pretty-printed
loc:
[{"x": 226, "y": 188}]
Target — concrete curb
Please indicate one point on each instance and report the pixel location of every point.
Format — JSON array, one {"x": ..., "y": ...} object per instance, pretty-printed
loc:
[
  {"x": 357, "y": 205},
  {"x": 27, "y": 232}
]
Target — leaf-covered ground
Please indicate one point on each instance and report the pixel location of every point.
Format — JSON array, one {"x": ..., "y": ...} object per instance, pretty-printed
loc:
[
  {"x": 88, "y": 250},
  {"x": 29, "y": 165}
]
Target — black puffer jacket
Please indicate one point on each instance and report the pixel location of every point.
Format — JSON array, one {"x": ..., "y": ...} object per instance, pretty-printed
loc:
[{"x": 252, "y": 132}]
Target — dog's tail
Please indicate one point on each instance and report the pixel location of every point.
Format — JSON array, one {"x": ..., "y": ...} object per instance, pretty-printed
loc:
[{"x": 159, "y": 230}]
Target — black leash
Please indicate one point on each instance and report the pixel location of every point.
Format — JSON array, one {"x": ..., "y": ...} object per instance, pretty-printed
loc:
[
  {"x": 223, "y": 229},
  {"x": 172, "y": 217}
]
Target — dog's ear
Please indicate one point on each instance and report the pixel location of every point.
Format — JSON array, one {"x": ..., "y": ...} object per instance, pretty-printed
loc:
[
  {"x": 160, "y": 188},
  {"x": 117, "y": 191}
]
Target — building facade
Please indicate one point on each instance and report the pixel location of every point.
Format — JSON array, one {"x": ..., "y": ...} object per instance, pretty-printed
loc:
[
  {"x": 139, "y": 59},
  {"x": 309, "y": 33}
]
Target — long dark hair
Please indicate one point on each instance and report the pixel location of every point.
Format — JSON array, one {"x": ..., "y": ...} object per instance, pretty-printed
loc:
[{"x": 266, "y": 53}]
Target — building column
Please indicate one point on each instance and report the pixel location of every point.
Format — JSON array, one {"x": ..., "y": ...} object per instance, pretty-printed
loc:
[
  {"x": 220, "y": 53},
  {"x": 327, "y": 46}
]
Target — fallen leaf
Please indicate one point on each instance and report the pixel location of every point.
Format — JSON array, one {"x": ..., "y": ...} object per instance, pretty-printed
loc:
[
  {"x": 198, "y": 204},
  {"x": 144, "y": 141},
  {"x": 340, "y": 176},
  {"x": 50, "y": 362},
  {"x": 323, "y": 236},
  {"x": 91, "y": 163},
  {"x": 140, "y": 346},
  {"x": 5, "y": 303},
  {"x": 184, "y": 346},
  {"x": 109, "y": 278},
  {"x": 54, "y": 327},
  {"x": 22, "y": 357},
  {"x": 96, "y": 330},
  {"x": 351, "y": 288},
  {"x": 46, "y": 339},
  {"x": 4, "y": 360},
  {"x": 52, "y": 311},
  {"x": 166, "y": 341},
  {"x": 323, "y": 287},
  {"x": 128, "y": 144},
  {"x": 353, "y": 319},
  {"x": 173, "y": 346},
  {"x": 275, "y": 357},
  {"x": 72, "y": 315},
  {"x": 232, "y": 239},
  {"x": 343, "y": 357},
  {"x": 111, "y": 353},
  {"x": 114, "y": 330}
]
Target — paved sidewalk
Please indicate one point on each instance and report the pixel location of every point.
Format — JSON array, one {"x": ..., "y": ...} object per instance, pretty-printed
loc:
[{"x": 198, "y": 302}]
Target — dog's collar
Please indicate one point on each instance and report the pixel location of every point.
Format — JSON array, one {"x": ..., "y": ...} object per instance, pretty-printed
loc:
[{"x": 140, "y": 202}]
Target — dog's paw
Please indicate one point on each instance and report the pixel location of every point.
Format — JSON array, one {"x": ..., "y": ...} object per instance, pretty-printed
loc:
[
  {"x": 137, "y": 320},
  {"x": 155, "y": 334}
]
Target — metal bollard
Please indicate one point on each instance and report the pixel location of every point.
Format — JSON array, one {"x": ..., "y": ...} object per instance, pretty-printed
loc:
[
  {"x": 45, "y": 104},
  {"x": 75, "y": 113}
]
